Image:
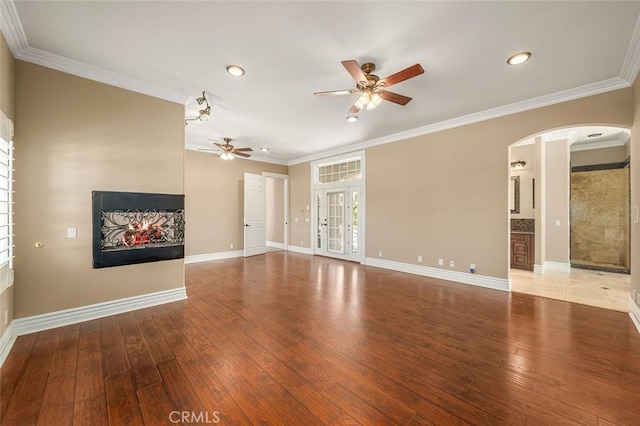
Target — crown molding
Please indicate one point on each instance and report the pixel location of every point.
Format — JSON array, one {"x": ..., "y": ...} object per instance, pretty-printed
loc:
[
  {"x": 631, "y": 64},
  {"x": 80, "y": 69},
  {"x": 529, "y": 104},
  {"x": 11, "y": 27},
  {"x": 611, "y": 143},
  {"x": 13, "y": 32}
]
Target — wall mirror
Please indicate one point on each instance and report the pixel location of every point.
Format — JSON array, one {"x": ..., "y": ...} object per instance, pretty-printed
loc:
[{"x": 514, "y": 192}]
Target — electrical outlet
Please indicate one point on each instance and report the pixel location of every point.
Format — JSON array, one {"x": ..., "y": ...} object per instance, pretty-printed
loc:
[
  {"x": 72, "y": 232},
  {"x": 419, "y": 259},
  {"x": 452, "y": 264},
  {"x": 6, "y": 317},
  {"x": 472, "y": 268},
  {"x": 440, "y": 262},
  {"x": 230, "y": 245},
  {"x": 557, "y": 223},
  {"x": 379, "y": 254}
]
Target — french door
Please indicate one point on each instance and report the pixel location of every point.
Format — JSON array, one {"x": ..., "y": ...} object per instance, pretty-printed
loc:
[{"x": 337, "y": 223}]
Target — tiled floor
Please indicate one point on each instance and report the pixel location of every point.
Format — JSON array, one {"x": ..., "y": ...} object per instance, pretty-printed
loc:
[{"x": 594, "y": 288}]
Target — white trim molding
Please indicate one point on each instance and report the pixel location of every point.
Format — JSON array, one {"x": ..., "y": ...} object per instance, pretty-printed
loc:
[
  {"x": 502, "y": 284},
  {"x": 634, "y": 313},
  {"x": 631, "y": 64},
  {"x": 36, "y": 323},
  {"x": 206, "y": 257},
  {"x": 6, "y": 343},
  {"x": 56, "y": 319},
  {"x": 302, "y": 250},
  {"x": 276, "y": 245},
  {"x": 13, "y": 32},
  {"x": 538, "y": 269},
  {"x": 557, "y": 266},
  {"x": 591, "y": 89}
]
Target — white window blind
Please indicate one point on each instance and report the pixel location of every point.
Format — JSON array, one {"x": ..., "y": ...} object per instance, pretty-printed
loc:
[{"x": 6, "y": 203}]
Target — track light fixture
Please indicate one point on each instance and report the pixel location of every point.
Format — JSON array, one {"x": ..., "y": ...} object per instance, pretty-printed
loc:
[{"x": 204, "y": 112}]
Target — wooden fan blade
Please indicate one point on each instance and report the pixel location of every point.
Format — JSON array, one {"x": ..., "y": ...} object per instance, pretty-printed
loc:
[
  {"x": 394, "y": 97},
  {"x": 241, "y": 154},
  {"x": 354, "y": 69},
  {"x": 243, "y": 149},
  {"x": 218, "y": 145},
  {"x": 336, "y": 92},
  {"x": 403, "y": 75},
  {"x": 354, "y": 108}
]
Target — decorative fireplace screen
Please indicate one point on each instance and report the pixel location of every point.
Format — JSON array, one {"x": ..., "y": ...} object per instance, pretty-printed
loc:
[{"x": 133, "y": 227}]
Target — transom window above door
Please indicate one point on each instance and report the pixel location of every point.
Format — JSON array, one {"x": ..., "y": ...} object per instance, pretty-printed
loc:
[{"x": 345, "y": 170}]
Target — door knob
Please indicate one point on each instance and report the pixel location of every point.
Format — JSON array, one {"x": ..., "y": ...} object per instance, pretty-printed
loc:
[{"x": 246, "y": 224}]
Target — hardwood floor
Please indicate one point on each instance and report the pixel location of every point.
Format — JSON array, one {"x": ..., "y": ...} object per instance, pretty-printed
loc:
[{"x": 292, "y": 339}]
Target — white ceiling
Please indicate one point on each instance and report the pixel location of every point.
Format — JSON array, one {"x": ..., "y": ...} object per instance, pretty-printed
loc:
[{"x": 176, "y": 49}]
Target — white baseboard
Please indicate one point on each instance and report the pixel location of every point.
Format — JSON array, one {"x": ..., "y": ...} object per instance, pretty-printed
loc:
[
  {"x": 195, "y": 258},
  {"x": 276, "y": 245},
  {"x": 557, "y": 266},
  {"x": 461, "y": 277},
  {"x": 634, "y": 313},
  {"x": 6, "y": 343},
  {"x": 56, "y": 319},
  {"x": 33, "y": 324},
  {"x": 538, "y": 269},
  {"x": 303, "y": 250}
]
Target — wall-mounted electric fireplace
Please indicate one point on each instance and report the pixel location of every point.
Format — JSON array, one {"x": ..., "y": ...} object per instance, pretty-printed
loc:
[{"x": 134, "y": 227}]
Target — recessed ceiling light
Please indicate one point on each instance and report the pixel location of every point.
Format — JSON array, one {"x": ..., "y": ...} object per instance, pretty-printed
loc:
[
  {"x": 519, "y": 58},
  {"x": 235, "y": 70},
  {"x": 265, "y": 149},
  {"x": 352, "y": 118},
  {"x": 594, "y": 135}
]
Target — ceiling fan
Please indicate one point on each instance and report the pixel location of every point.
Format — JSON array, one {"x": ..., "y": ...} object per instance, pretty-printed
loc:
[
  {"x": 372, "y": 89},
  {"x": 228, "y": 150}
]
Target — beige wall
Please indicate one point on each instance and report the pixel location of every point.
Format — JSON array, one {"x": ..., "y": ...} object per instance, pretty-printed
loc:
[
  {"x": 557, "y": 201},
  {"x": 527, "y": 173},
  {"x": 299, "y": 199},
  {"x": 444, "y": 195},
  {"x": 214, "y": 197},
  {"x": 616, "y": 154},
  {"x": 73, "y": 136},
  {"x": 275, "y": 210},
  {"x": 6, "y": 105},
  {"x": 635, "y": 191}
]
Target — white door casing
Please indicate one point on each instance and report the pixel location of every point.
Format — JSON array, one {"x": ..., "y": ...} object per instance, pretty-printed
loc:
[{"x": 254, "y": 215}]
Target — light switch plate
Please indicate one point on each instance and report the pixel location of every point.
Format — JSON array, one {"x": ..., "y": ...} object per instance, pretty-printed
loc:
[{"x": 72, "y": 232}]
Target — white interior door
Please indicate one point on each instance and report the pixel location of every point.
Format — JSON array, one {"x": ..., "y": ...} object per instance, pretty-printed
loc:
[{"x": 254, "y": 215}]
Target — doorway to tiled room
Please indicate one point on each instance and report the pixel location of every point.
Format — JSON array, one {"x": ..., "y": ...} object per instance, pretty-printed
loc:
[{"x": 567, "y": 242}]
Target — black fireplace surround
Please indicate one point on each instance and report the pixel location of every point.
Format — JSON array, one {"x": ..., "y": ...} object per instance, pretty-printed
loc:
[{"x": 135, "y": 227}]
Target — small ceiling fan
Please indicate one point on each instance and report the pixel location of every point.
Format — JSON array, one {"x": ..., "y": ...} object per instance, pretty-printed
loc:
[
  {"x": 372, "y": 89},
  {"x": 228, "y": 151}
]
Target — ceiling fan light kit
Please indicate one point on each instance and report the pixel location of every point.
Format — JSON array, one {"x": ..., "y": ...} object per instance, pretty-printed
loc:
[
  {"x": 228, "y": 150},
  {"x": 371, "y": 88},
  {"x": 204, "y": 113}
]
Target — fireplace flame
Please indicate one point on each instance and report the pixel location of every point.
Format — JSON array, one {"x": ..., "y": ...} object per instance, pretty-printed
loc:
[{"x": 141, "y": 234}]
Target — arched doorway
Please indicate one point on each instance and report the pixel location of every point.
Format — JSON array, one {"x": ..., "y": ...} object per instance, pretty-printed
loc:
[{"x": 573, "y": 210}]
